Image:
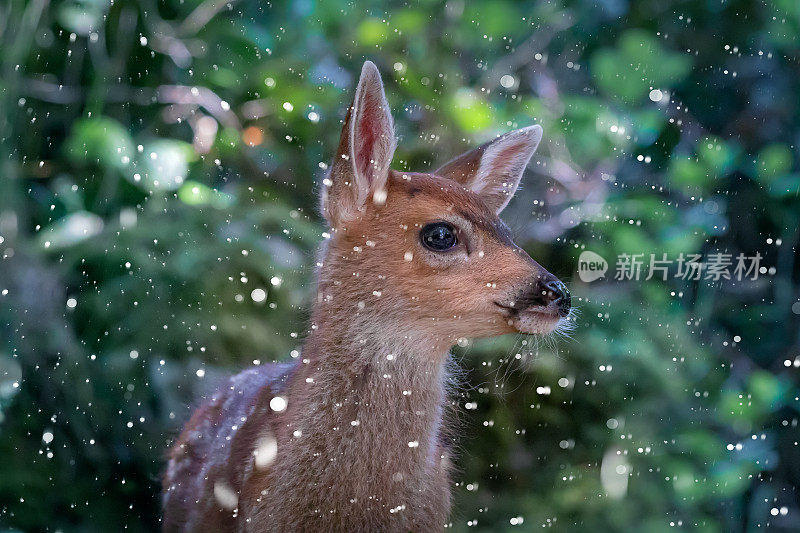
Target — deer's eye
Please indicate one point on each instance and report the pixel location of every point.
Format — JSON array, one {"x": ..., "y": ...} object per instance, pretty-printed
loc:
[{"x": 438, "y": 236}]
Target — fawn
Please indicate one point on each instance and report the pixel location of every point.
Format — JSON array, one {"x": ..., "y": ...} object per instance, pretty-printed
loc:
[{"x": 350, "y": 436}]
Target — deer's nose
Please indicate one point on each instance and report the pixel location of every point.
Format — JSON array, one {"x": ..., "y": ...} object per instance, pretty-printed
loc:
[{"x": 557, "y": 293}]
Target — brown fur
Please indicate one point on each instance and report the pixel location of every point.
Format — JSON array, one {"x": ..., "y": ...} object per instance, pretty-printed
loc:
[{"x": 360, "y": 446}]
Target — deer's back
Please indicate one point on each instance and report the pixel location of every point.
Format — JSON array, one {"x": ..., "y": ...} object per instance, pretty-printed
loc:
[{"x": 209, "y": 462}]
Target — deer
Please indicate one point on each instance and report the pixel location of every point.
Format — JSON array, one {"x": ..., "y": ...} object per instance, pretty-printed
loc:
[{"x": 353, "y": 435}]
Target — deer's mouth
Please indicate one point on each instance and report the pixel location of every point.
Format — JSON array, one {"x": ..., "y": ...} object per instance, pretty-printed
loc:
[
  {"x": 511, "y": 312},
  {"x": 506, "y": 310},
  {"x": 529, "y": 319}
]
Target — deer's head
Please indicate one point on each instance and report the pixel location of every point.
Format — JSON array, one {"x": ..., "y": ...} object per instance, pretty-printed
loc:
[{"x": 427, "y": 252}]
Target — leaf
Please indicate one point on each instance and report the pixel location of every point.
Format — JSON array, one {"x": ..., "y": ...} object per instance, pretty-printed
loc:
[
  {"x": 164, "y": 164},
  {"x": 766, "y": 389},
  {"x": 470, "y": 112},
  {"x": 638, "y": 63},
  {"x": 372, "y": 31},
  {"x": 773, "y": 161},
  {"x": 410, "y": 21},
  {"x": 716, "y": 154},
  {"x": 687, "y": 172},
  {"x": 71, "y": 229},
  {"x": 495, "y": 17},
  {"x": 195, "y": 193},
  {"x": 82, "y": 16},
  {"x": 102, "y": 141}
]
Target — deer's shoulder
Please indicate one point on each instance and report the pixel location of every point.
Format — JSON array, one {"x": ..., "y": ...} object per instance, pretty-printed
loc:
[{"x": 220, "y": 426}]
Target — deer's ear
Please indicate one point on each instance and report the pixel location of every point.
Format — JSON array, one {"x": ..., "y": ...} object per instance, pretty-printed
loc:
[
  {"x": 493, "y": 170},
  {"x": 361, "y": 165}
]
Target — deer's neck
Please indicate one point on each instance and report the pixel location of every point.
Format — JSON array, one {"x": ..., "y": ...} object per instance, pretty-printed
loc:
[
  {"x": 359, "y": 444},
  {"x": 368, "y": 392}
]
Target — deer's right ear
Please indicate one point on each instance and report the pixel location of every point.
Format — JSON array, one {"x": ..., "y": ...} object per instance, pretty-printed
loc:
[{"x": 361, "y": 165}]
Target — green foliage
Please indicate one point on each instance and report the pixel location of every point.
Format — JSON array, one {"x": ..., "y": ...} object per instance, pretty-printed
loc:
[
  {"x": 102, "y": 141},
  {"x": 773, "y": 161},
  {"x": 470, "y": 113},
  {"x": 637, "y": 64},
  {"x": 158, "y": 173}
]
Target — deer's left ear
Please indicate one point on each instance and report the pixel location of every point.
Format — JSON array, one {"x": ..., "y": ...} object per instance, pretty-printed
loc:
[{"x": 494, "y": 169}]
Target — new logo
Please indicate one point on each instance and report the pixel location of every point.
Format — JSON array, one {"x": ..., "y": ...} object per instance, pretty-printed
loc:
[{"x": 591, "y": 266}]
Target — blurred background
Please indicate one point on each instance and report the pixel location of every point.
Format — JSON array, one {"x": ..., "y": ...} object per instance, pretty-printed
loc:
[{"x": 158, "y": 168}]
